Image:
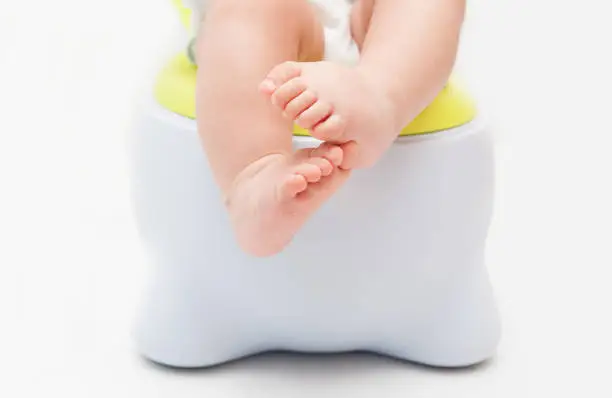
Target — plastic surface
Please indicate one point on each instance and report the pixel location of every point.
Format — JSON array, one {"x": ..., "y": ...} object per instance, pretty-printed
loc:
[
  {"x": 394, "y": 263},
  {"x": 184, "y": 13}
]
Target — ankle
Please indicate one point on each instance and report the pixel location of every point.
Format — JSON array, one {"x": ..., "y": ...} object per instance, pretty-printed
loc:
[{"x": 383, "y": 96}]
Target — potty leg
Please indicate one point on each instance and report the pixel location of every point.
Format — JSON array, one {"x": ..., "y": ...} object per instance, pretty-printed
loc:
[
  {"x": 452, "y": 320},
  {"x": 463, "y": 331},
  {"x": 189, "y": 317},
  {"x": 180, "y": 330}
]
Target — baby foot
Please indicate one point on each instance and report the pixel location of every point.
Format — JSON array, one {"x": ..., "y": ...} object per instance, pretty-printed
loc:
[
  {"x": 274, "y": 196},
  {"x": 336, "y": 104}
]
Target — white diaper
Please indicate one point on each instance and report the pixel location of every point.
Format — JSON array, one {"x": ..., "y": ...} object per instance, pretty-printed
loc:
[{"x": 335, "y": 16}]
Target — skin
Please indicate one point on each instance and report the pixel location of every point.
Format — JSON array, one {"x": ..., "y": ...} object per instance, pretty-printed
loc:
[
  {"x": 270, "y": 191},
  {"x": 398, "y": 84}
]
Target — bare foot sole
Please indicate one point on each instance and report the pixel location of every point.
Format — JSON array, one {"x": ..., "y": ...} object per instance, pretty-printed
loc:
[
  {"x": 274, "y": 196},
  {"x": 336, "y": 104}
]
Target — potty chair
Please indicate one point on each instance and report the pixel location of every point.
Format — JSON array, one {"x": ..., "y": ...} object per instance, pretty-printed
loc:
[{"x": 393, "y": 263}]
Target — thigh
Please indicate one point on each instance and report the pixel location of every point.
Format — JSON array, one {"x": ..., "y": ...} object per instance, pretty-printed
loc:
[{"x": 287, "y": 16}]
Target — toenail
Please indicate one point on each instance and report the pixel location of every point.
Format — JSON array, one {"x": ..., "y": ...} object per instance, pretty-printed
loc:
[{"x": 268, "y": 86}]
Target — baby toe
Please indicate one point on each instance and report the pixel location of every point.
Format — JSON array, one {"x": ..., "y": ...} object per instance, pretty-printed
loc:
[
  {"x": 292, "y": 186},
  {"x": 317, "y": 113},
  {"x": 299, "y": 104},
  {"x": 279, "y": 75},
  {"x": 333, "y": 153},
  {"x": 331, "y": 129},
  {"x": 288, "y": 92},
  {"x": 351, "y": 155},
  {"x": 312, "y": 173},
  {"x": 323, "y": 164}
]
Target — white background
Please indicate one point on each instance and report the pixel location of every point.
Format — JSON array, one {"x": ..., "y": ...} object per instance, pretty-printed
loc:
[{"x": 71, "y": 268}]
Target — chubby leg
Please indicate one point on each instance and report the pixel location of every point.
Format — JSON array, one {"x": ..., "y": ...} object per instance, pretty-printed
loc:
[
  {"x": 269, "y": 190},
  {"x": 408, "y": 48},
  {"x": 335, "y": 102}
]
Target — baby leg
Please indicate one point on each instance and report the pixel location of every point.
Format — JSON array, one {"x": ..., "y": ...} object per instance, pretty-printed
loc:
[
  {"x": 337, "y": 103},
  {"x": 407, "y": 52},
  {"x": 269, "y": 190}
]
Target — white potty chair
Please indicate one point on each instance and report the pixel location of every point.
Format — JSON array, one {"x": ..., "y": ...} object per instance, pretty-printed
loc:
[{"x": 394, "y": 263}]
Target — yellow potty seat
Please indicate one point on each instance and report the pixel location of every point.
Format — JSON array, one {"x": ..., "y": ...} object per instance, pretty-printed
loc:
[{"x": 176, "y": 86}]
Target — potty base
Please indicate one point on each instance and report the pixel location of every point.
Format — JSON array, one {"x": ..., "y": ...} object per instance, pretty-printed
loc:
[{"x": 394, "y": 263}]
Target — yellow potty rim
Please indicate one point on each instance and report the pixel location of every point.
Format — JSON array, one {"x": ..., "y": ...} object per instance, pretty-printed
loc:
[{"x": 184, "y": 13}]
